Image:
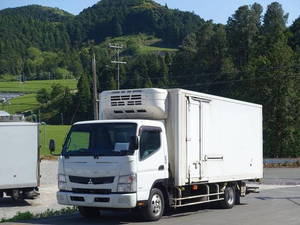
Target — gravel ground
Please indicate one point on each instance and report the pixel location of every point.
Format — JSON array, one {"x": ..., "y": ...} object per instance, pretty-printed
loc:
[{"x": 274, "y": 178}]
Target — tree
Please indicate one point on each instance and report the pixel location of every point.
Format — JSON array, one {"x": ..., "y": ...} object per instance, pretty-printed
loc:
[
  {"x": 274, "y": 62},
  {"x": 117, "y": 29},
  {"x": 295, "y": 30},
  {"x": 57, "y": 89},
  {"x": 242, "y": 30},
  {"x": 84, "y": 98},
  {"x": 43, "y": 96}
]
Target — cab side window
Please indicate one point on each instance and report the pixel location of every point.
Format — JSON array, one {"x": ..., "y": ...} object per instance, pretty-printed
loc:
[{"x": 149, "y": 142}]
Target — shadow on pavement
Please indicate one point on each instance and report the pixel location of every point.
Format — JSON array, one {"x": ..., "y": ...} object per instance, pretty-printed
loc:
[
  {"x": 291, "y": 199},
  {"x": 9, "y": 202},
  {"x": 121, "y": 217}
]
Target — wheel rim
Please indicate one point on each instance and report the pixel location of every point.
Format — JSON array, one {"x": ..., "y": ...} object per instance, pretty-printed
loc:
[
  {"x": 156, "y": 204},
  {"x": 230, "y": 196}
]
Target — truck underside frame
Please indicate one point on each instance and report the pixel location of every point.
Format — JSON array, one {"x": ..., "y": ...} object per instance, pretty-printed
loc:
[{"x": 198, "y": 194}]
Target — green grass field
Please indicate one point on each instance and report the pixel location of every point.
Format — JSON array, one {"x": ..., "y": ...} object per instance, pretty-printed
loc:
[
  {"x": 21, "y": 104},
  {"x": 34, "y": 86},
  {"x": 150, "y": 49},
  {"x": 146, "y": 44},
  {"x": 56, "y": 132},
  {"x": 28, "y": 101}
]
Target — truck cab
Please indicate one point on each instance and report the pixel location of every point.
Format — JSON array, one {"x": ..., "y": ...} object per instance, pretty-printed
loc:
[{"x": 112, "y": 163}]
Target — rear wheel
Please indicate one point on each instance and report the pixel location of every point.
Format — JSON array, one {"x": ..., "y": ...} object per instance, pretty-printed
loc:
[
  {"x": 89, "y": 212},
  {"x": 155, "y": 206},
  {"x": 229, "y": 198}
]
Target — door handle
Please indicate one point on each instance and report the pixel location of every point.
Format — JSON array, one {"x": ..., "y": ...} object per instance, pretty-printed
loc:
[{"x": 161, "y": 167}]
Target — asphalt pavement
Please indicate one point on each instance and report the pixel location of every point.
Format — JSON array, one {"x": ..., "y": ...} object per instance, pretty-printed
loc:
[
  {"x": 277, "y": 203},
  {"x": 46, "y": 200},
  {"x": 270, "y": 207}
]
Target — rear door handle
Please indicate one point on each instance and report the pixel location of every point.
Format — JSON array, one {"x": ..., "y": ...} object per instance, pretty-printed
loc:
[{"x": 161, "y": 167}]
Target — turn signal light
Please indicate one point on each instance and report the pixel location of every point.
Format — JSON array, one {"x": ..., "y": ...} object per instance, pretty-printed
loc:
[{"x": 194, "y": 187}]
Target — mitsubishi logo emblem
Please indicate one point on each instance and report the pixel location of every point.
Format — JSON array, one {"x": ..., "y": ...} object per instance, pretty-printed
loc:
[{"x": 90, "y": 181}]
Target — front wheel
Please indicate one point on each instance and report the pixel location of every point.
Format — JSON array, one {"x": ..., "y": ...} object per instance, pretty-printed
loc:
[
  {"x": 229, "y": 198},
  {"x": 155, "y": 206},
  {"x": 89, "y": 212}
]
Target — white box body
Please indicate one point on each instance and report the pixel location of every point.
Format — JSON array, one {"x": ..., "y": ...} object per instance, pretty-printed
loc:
[
  {"x": 213, "y": 139},
  {"x": 19, "y": 161}
]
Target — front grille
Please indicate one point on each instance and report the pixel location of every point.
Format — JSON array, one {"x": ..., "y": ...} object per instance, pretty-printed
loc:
[
  {"x": 77, "y": 199},
  {"x": 101, "y": 199},
  {"x": 91, "y": 180},
  {"x": 91, "y": 191}
]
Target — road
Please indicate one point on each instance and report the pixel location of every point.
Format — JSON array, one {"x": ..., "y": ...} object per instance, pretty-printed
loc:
[
  {"x": 270, "y": 207},
  {"x": 278, "y": 203},
  {"x": 46, "y": 200}
]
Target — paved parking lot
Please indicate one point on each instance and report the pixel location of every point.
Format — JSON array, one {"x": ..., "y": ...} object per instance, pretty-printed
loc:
[
  {"x": 279, "y": 184},
  {"x": 46, "y": 200},
  {"x": 270, "y": 207}
]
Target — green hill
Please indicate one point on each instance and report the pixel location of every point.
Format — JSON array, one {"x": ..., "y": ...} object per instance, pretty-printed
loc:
[
  {"x": 37, "y": 41},
  {"x": 123, "y": 17}
]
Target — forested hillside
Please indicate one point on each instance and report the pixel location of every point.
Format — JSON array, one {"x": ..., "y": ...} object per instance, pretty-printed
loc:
[{"x": 254, "y": 57}]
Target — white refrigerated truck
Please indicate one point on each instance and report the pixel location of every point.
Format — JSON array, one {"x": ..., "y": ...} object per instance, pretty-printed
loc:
[
  {"x": 19, "y": 161},
  {"x": 154, "y": 149}
]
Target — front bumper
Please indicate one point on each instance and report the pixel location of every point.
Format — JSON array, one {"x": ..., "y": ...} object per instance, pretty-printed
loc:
[{"x": 123, "y": 201}]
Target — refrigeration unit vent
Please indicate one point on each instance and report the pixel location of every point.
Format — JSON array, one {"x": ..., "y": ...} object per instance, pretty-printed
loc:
[
  {"x": 125, "y": 100},
  {"x": 148, "y": 103}
]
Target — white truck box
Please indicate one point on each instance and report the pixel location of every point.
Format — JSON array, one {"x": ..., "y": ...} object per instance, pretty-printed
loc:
[
  {"x": 19, "y": 161},
  {"x": 213, "y": 139}
]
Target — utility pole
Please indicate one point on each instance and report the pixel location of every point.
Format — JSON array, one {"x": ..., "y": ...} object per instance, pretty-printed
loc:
[
  {"x": 117, "y": 48},
  {"x": 96, "y": 114}
]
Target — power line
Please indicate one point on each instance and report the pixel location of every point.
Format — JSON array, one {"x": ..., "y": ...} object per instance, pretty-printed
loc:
[
  {"x": 204, "y": 75},
  {"x": 232, "y": 81},
  {"x": 117, "y": 48}
]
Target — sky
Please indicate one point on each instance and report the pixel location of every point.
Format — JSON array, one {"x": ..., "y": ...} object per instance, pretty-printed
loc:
[{"x": 216, "y": 10}]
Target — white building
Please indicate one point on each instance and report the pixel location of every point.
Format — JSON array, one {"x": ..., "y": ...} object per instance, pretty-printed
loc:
[{"x": 6, "y": 117}]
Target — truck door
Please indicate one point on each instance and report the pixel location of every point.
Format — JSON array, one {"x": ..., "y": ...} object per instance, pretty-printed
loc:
[
  {"x": 193, "y": 120},
  {"x": 152, "y": 160}
]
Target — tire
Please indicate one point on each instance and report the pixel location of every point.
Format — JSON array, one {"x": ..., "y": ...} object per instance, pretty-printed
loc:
[
  {"x": 229, "y": 198},
  {"x": 155, "y": 206},
  {"x": 89, "y": 212}
]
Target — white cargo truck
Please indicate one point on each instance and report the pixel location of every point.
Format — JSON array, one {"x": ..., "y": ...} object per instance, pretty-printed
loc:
[
  {"x": 155, "y": 149},
  {"x": 19, "y": 161}
]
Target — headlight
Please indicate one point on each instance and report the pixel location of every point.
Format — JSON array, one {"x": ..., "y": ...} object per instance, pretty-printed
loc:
[
  {"x": 62, "y": 186},
  {"x": 61, "y": 178},
  {"x": 62, "y": 182},
  {"x": 127, "y": 183}
]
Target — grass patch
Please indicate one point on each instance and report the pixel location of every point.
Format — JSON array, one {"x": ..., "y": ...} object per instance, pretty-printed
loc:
[
  {"x": 141, "y": 43},
  {"x": 150, "y": 49},
  {"x": 56, "y": 132},
  {"x": 49, "y": 212},
  {"x": 21, "y": 104},
  {"x": 283, "y": 165},
  {"x": 35, "y": 85}
]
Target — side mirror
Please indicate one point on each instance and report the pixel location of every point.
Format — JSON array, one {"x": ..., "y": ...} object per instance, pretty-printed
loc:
[
  {"x": 134, "y": 143},
  {"x": 51, "y": 146}
]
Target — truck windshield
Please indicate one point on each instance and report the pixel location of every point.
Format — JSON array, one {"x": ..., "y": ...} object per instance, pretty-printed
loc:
[{"x": 102, "y": 139}]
